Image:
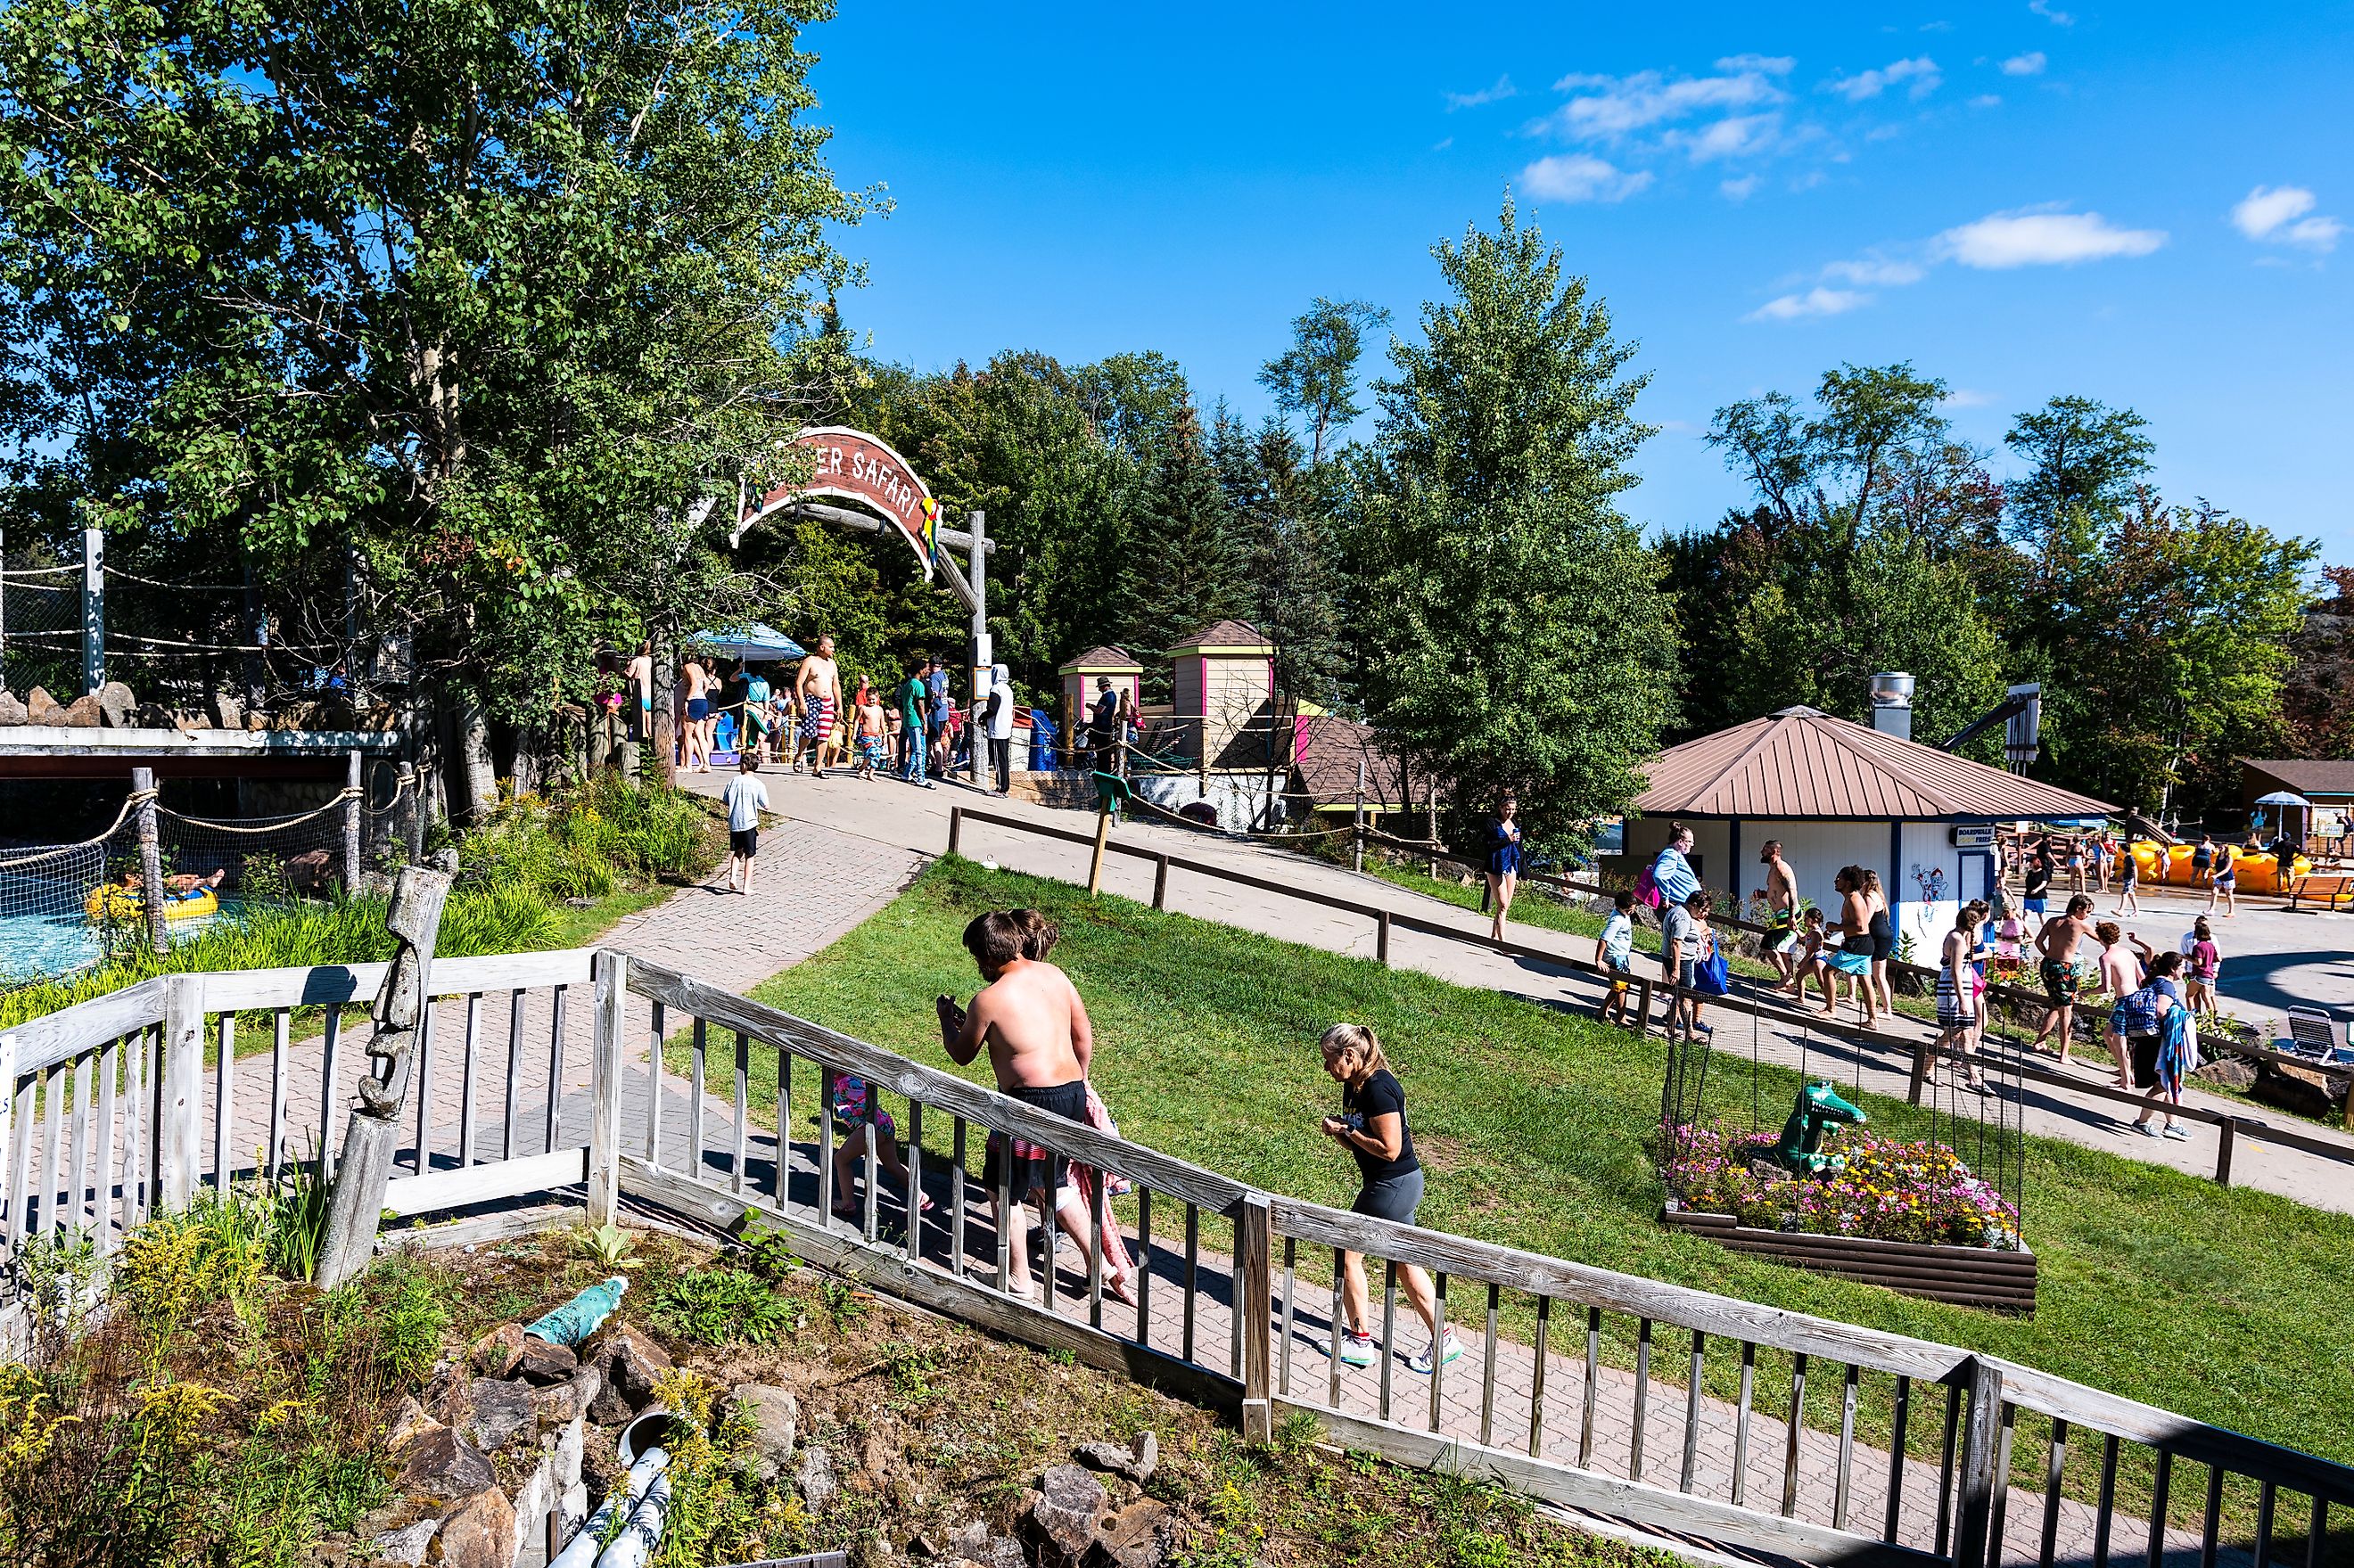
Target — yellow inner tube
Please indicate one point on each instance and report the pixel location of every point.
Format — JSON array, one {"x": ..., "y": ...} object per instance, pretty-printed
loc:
[{"x": 110, "y": 901}]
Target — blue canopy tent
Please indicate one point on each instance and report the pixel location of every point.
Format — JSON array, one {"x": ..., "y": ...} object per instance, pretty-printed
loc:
[{"x": 755, "y": 643}]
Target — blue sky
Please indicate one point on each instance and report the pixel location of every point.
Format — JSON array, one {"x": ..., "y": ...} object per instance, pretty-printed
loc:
[{"x": 2149, "y": 206}]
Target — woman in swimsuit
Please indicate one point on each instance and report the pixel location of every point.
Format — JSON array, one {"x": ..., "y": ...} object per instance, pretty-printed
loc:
[
  {"x": 1883, "y": 931},
  {"x": 2226, "y": 883},
  {"x": 1503, "y": 864}
]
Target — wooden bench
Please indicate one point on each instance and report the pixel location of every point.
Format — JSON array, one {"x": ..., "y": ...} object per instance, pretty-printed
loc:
[{"x": 2329, "y": 887}]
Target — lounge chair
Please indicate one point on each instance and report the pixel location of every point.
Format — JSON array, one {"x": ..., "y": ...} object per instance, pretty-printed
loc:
[{"x": 2315, "y": 1035}]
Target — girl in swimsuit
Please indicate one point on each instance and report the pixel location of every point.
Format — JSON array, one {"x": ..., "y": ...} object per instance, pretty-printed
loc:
[{"x": 1882, "y": 932}]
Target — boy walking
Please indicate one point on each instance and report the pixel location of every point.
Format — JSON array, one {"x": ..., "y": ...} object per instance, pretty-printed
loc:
[
  {"x": 746, "y": 798},
  {"x": 1617, "y": 951}
]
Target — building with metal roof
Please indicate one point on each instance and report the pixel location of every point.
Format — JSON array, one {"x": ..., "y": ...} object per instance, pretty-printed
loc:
[{"x": 1837, "y": 793}]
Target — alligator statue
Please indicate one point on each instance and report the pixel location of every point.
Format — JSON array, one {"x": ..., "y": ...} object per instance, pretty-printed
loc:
[{"x": 1815, "y": 1116}]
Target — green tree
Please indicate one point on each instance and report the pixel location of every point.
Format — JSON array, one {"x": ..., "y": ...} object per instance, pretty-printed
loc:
[
  {"x": 2083, "y": 456},
  {"x": 1515, "y": 634},
  {"x": 1279, "y": 508},
  {"x": 2318, "y": 706},
  {"x": 496, "y": 296},
  {"x": 1316, "y": 377},
  {"x": 1183, "y": 570}
]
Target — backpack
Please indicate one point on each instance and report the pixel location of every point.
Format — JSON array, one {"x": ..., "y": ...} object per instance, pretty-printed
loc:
[{"x": 1647, "y": 890}]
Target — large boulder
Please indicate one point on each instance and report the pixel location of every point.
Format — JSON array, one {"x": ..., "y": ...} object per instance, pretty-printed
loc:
[
  {"x": 480, "y": 1532},
  {"x": 2232, "y": 1072},
  {"x": 491, "y": 1413},
  {"x": 42, "y": 708},
  {"x": 227, "y": 713},
  {"x": 815, "y": 1480},
  {"x": 771, "y": 1413},
  {"x": 12, "y": 708},
  {"x": 1136, "y": 1460},
  {"x": 82, "y": 713},
  {"x": 408, "y": 1543},
  {"x": 2306, "y": 1092},
  {"x": 439, "y": 1464},
  {"x": 117, "y": 708},
  {"x": 631, "y": 1362},
  {"x": 1060, "y": 1522},
  {"x": 1142, "y": 1536}
]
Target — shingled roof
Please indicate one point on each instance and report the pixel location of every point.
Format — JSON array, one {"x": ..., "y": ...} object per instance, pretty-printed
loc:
[
  {"x": 1801, "y": 764},
  {"x": 2307, "y": 777},
  {"x": 1224, "y": 634},
  {"x": 1105, "y": 658}
]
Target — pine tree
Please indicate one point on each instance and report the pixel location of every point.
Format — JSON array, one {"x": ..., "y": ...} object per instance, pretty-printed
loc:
[{"x": 1183, "y": 570}]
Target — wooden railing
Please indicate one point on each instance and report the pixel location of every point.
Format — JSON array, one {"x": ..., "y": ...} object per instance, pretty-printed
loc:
[
  {"x": 114, "y": 1110},
  {"x": 1919, "y": 1052},
  {"x": 1673, "y": 1409},
  {"x": 1712, "y": 1438}
]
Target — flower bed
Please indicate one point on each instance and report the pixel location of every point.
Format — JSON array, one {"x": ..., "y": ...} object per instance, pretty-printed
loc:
[{"x": 1916, "y": 1192}]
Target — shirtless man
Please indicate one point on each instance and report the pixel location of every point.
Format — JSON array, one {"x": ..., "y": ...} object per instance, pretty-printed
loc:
[
  {"x": 818, "y": 684},
  {"x": 2123, "y": 957},
  {"x": 640, "y": 678},
  {"x": 1780, "y": 896},
  {"x": 2056, "y": 942},
  {"x": 1036, "y": 1027},
  {"x": 696, "y": 747}
]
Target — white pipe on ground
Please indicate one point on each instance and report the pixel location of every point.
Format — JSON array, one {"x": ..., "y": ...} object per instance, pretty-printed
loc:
[
  {"x": 634, "y": 1547},
  {"x": 582, "y": 1552}
]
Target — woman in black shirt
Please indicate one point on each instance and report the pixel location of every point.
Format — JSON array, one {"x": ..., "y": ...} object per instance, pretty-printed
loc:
[
  {"x": 1372, "y": 1125},
  {"x": 1504, "y": 863}
]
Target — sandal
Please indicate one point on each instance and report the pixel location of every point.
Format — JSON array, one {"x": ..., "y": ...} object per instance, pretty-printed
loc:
[
  {"x": 849, "y": 1211},
  {"x": 1122, "y": 1287}
]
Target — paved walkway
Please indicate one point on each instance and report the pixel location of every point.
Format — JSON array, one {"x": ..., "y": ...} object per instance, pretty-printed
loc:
[{"x": 888, "y": 813}]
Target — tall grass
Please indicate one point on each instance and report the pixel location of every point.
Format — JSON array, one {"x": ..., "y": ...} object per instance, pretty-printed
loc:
[{"x": 513, "y": 876}]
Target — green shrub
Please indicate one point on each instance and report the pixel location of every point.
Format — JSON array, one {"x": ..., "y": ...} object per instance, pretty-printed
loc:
[
  {"x": 394, "y": 1316},
  {"x": 721, "y": 1306}
]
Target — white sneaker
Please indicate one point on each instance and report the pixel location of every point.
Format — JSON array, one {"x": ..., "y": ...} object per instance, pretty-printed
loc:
[
  {"x": 2147, "y": 1131},
  {"x": 2174, "y": 1130},
  {"x": 1448, "y": 1353}
]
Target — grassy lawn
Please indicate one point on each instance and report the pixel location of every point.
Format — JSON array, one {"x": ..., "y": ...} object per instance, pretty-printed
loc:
[{"x": 2226, "y": 1304}]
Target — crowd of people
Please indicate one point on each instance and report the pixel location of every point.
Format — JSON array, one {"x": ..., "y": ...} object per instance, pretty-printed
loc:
[
  {"x": 1030, "y": 1019},
  {"x": 2150, "y": 1050}
]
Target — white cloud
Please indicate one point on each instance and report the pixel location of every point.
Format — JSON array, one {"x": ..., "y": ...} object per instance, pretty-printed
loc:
[
  {"x": 2050, "y": 13},
  {"x": 1608, "y": 107},
  {"x": 1920, "y": 70},
  {"x": 1729, "y": 138},
  {"x": 1578, "y": 176},
  {"x": 1740, "y": 189},
  {"x": 2277, "y": 214},
  {"x": 2032, "y": 63},
  {"x": 1964, "y": 397},
  {"x": 1501, "y": 90},
  {"x": 1813, "y": 303},
  {"x": 1772, "y": 65},
  {"x": 1874, "y": 270},
  {"x": 2041, "y": 237},
  {"x": 1987, "y": 101}
]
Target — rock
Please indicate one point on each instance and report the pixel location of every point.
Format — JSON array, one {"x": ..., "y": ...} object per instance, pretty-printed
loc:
[
  {"x": 81, "y": 713},
  {"x": 2297, "y": 1089},
  {"x": 257, "y": 722},
  {"x": 606, "y": 1405},
  {"x": 439, "y": 1463},
  {"x": 2232, "y": 1072},
  {"x": 773, "y": 1412},
  {"x": 1136, "y": 1460},
  {"x": 410, "y": 1543},
  {"x": 588, "y": 1388},
  {"x": 227, "y": 713},
  {"x": 155, "y": 715},
  {"x": 1060, "y": 1525},
  {"x": 815, "y": 1480},
  {"x": 554, "y": 1403},
  {"x": 544, "y": 1362},
  {"x": 12, "y": 709},
  {"x": 1141, "y": 1535},
  {"x": 480, "y": 1532},
  {"x": 491, "y": 1413},
  {"x": 116, "y": 707},
  {"x": 42, "y": 708},
  {"x": 630, "y": 1363},
  {"x": 496, "y": 1353},
  {"x": 408, "y": 1423}
]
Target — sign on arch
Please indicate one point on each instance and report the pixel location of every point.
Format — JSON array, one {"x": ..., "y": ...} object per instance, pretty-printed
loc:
[{"x": 854, "y": 466}]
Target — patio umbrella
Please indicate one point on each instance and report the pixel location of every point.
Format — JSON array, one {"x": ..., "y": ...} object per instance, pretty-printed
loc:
[
  {"x": 2284, "y": 799},
  {"x": 752, "y": 642}
]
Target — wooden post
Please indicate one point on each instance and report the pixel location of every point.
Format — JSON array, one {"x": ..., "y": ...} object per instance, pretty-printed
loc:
[
  {"x": 1255, "y": 1305},
  {"x": 179, "y": 1098},
  {"x": 1920, "y": 1072},
  {"x": 1357, "y": 820},
  {"x": 352, "y": 825},
  {"x": 956, "y": 828},
  {"x": 1642, "y": 1007},
  {"x": 412, "y": 816},
  {"x": 1103, "y": 834},
  {"x": 2225, "y": 1129},
  {"x": 1382, "y": 938},
  {"x": 977, "y": 576},
  {"x": 1160, "y": 882},
  {"x": 605, "y": 1084},
  {"x": 1973, "y": 1544},
  {"x": 151, "y": 860},
  {"x": 1430, "y": 829}
]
